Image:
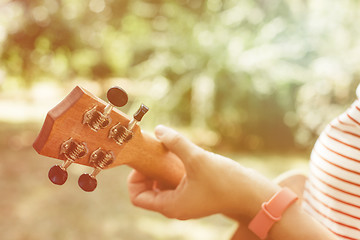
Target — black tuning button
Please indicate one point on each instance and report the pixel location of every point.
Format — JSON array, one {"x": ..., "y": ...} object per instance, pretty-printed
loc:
[
  {"x": 117, "y": 96},
  {"x": 141, "y": 112},
  {"x": 58, "y": 175},
  {"x": 87, "y": 182}
]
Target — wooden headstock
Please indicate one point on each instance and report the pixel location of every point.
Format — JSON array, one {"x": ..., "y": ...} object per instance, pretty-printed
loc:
[{"x": 84, "y": 129}]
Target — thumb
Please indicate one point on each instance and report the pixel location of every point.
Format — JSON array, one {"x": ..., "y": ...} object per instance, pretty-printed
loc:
[{"x": 178, "y": 144}]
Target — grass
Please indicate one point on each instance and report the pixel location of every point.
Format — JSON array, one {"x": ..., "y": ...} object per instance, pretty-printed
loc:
[{"x": 34, "y": 209}]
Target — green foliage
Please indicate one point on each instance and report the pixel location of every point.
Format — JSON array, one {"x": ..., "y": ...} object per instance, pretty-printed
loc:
[{"x": 254, "y": 75}]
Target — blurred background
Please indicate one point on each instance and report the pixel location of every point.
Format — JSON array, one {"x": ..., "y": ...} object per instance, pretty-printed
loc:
[{"x": 253, "y": 80}]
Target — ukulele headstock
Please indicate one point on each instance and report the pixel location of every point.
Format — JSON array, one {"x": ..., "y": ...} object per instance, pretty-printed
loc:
[{"x": 84, "y": 129}]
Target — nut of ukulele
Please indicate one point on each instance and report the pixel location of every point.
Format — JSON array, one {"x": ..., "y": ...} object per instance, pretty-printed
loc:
[
  {"x": 97, "y": 120},
  {"x": 71, "y": 150},
  {"x": 99, "y": 159}
]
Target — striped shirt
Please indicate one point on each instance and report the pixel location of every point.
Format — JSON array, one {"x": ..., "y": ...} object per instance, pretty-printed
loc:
[{"x": 332, "y": 191}]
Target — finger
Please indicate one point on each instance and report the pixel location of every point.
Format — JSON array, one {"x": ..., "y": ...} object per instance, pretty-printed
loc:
[
  {"x": 178, "y": 144},
  {"x": 136, "y": 176},
  {"x": 138, "y": 183},
  {"x": 142, "y": 194},
  {"x": 158, "y": 201}
]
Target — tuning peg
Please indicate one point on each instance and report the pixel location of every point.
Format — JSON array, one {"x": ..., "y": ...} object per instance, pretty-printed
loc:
[
  {"x": 117, "y": 96},
  {"x": 71, "y": 150},
  {"x": 138, "y": 116},
  {"x": 58, "y": 175},
  {"x": 95, "y": 119},
  {"x": 99, "y": 159},
  {"x": 122, "y": 134},
  {"x": 87, "y": 182}
]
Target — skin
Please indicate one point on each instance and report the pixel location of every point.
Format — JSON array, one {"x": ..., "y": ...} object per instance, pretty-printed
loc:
[{"x": 215, "y": 184}]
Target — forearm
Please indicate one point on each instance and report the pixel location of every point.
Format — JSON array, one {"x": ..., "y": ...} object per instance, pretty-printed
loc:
[{"x": 295, "y": 223}]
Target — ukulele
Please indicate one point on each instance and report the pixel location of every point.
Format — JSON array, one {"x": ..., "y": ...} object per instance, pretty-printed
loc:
[{"x": 83, "y": 129}]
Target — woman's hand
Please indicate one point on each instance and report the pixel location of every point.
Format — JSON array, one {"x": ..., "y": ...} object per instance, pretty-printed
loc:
[
  {"x": 215, "y": 184},
  {"x": 212, "y": 184}
]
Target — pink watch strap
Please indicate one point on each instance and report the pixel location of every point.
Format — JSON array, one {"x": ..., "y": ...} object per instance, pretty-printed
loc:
[{"x": 271, "y": 212}]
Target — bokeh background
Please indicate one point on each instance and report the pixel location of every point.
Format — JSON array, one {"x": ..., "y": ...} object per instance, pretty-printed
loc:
[{"x": 254, "y": 80}]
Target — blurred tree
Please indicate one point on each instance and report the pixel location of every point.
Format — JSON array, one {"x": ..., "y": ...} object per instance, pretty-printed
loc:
[{"x": 257, "y": 75}]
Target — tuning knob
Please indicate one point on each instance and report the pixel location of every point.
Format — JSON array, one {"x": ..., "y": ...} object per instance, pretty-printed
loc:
[
  {"x": 117, "y": 96},
  {"x": 87, "y": 182},
  {"x": 58, "y": 175},
  {"x": 140, "y": 114}
]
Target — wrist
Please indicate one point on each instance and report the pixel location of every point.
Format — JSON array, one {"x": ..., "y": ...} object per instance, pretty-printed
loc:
[
  {"x": 271, "y": 211},
  {"x": 248, "y": 192}
]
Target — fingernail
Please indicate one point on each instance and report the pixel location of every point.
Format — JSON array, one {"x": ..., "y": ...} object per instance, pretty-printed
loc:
[{"x": 160, "y": 131}]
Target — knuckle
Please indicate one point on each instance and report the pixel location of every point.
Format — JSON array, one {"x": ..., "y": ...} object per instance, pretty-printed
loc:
[
  {"x": 175, "y": 139},
  {"x": 172, "y": 212},
  {"x": 196, "y": 161},
  {"x": 182, "y": 218},
  {"x": 134, "y": 202},
  {"x": 167, "y": 212},
  {"x": 198, "y": 154}
]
